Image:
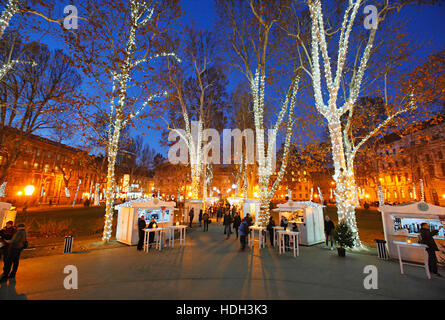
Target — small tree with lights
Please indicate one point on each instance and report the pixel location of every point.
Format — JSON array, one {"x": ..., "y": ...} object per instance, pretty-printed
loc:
[{"x": 344, "y": 237}]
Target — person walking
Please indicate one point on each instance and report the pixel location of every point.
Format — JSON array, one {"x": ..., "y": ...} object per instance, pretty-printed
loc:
[
  {"x": 270, "y": 226},
  {"x": 328, "y": 231},
  {"x": 205, "y": 217},
  {"x": 191, "y": 215},
  {"x": 243, "y": 232},
  {"x": 141, "y": 228},
  {"x": 15, "y": 247},
  {"x": 218, "y": 213},
  {"x": 227, "y": 221},
  {"x": 200, "y": 218},
  {"x": 236, "y": 223},
  {"x": 426, "y": 237}
]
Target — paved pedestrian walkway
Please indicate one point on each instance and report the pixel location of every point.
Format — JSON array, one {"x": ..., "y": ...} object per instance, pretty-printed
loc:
[{"x": 211, "y": 267}]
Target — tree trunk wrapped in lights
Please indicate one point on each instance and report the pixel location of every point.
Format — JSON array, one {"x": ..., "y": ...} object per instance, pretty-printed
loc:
[
  {"x": 252, "y": 37},
  {"x": 126, "y": 33},
  {"x": 198, "y": 83},
  {"x": 343, "y": 150},
  {"x": 12, "y": 7}
]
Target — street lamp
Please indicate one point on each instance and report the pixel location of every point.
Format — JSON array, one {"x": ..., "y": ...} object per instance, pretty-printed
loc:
[{"x": 29, "y": 190}]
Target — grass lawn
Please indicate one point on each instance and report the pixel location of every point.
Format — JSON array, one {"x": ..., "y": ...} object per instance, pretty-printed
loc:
[
  {"x": 47, "y": 228},
  {"x": 56, "y": 222},
  {"x": 369, "y": 223}
]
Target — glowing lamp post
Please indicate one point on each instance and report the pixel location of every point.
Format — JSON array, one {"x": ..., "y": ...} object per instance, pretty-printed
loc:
[{"x": 29, "y": 190}]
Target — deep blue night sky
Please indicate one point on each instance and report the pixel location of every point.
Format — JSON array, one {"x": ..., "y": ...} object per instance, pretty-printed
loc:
[{"x": 425, "y": 24}]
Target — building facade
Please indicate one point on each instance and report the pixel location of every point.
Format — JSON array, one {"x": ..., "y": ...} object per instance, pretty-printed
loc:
[
  {"x": 49, "y": 172},
  {"x": 407, "y": 166}
]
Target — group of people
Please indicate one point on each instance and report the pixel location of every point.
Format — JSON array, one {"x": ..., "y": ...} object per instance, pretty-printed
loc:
[
  {"x": 12, "y": 241},
  {"x": 214, "y": 211}
]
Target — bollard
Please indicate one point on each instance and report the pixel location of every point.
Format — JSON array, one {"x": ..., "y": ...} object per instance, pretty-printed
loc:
[
  {"x": 381, "y": 249},
  {"x": 68, "y": 246}
]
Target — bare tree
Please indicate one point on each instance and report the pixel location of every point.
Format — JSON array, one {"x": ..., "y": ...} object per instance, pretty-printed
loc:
[
  {"x": 198, "y": 83},
  {"x": 115, "y": 47},
  {"x": 33, "y": 97},
  {"x": 254, "y": 37}
]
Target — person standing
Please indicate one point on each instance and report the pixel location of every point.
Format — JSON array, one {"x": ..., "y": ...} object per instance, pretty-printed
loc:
[
  {"x": 249, "y": 220},
  {"x": 151, "y": 236},
  {"x": 205, "y": 217},
  {"x": 243, "y": 232},
  {"x": 141, "y": 227},
  {"x": 218, "y": 213},
  {"x": 426, "y": 237},
  {"x": 191, "y": 215},
  {"x": 227, "y": 221},
  {"x": 15, "y": 247},
  {"x": 328, "y": 231},
  {"x": 270, "y": 226},
  {"x": 284, "y": 223},
  {"x": 6, "y": 234},
  {"x": 200, "y": 218},
  {"x": 236, "y": 223}
]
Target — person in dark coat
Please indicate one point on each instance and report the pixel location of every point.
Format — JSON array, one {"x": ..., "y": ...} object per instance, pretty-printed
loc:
[
  {"x": 328, "y": 231},
  {"x": 426, "y": 237},
  {"x": 6, "y": 234},
  {"x": 151, "y": 236},
  {"x": 141, "y": 228},
  {"x": 227, "y": 221},
  {"x": 206, "y": 218},
  {"x": 191, "y": 215},
  {"x": 270, "y": 226},
  {"x": 236, "y": 223},
  {"x": 249, "y": 219},
  {"x": 284, "y": 223},
  {"x": 200, "y": 218},
  {"x": 219, "y": 214},
  {"x": 243, "y": 232},
  {"x": 15, "y": 247}
]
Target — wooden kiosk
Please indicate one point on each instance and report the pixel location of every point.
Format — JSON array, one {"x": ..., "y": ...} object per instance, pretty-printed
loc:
[
  {"x": 129, "y": 213},
  {"x": 309, "y": 218}
]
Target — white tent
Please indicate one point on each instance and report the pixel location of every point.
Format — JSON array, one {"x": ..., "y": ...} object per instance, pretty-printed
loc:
[
  {"x": 6, "y": 213},
  {"x": 402, "y": 222},
  {"x": 196, "y": 204},
  {"x": 309, "y": 218},
  {"x": 129, "y": 213}
]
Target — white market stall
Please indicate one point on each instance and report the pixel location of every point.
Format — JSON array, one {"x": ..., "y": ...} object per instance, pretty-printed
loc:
[
  {"x": 251, "y": 206},
  {"x": 6, "y": 213},
  {"x": 309, "y": 218},
  {"x": 129, "y": 213},
  {"x": 402, "y": 223},
  {"x": 196, "y": 204}
]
